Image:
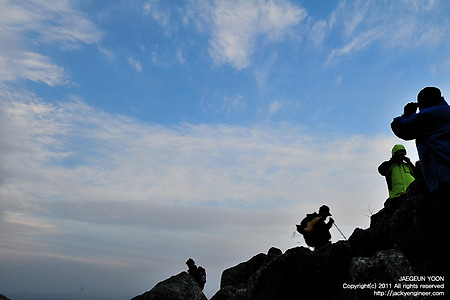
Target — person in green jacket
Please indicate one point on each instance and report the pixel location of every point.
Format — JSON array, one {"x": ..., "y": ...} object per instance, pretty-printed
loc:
[{"x": 399, "y": 172}]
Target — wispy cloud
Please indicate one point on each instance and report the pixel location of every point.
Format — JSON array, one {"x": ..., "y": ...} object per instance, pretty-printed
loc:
[
  {"x": 76, "y": 154},
  {"x": 25, "y": 23},
  {"x": 395, "y": 25},
  {"x": 51, "y": 21},
  {"x": 180, "y": 56},
  {"x": 31, "y": 66},
  {"x": 136, "y": 64},
  {"x": 358, "y": 43},
  {"x": 234, "y": 104},
  {"x": 151, "y": 8},
  {"x": 238, "y": 29},
  {"x": 160, "y": 15},
  {"x": 239, "y": 26}
]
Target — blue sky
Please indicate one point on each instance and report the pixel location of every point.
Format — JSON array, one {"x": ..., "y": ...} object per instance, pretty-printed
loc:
[{"x": 137, "y": 134}]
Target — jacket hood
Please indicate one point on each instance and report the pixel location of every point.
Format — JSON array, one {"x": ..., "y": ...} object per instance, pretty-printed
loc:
[{"x": 397, "y": 148}]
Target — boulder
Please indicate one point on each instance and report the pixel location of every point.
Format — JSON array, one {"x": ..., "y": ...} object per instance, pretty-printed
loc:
[
  {"x": 235, "y": 280},
  {"x": 302, "y": 272},
  {"x": 415, "y": 225},
  {"x": 299, "y": 271},
  {"x": 178, "y": 287},
  {"x": 231, "y": 293},
  {"x": 240, "y": 274},
  {"x": 385, "y": 267}
]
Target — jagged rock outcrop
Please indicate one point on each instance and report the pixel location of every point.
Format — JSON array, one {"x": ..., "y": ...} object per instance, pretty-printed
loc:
[
  {"x": 2, "y": 297},
  {"x": 241, "y": 273},
  {"x": 417, "y": 225},
  {"x": 300, "y": 271},
  {"x": 406, "y": 237},
  {"x": 178, "y": 287},
  {"x": 234, "y": 281},
  {"x": 384, "y": 267}
]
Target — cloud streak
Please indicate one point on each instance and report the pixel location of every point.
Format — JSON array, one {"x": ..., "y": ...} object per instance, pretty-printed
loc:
[
  {"x": 51, "y": 21},
  {"x": 397, "y": 25},
  {"x": 32, "y": 66},
  {"x": 238, "y": 27},
  {"x": 25, "y": 24},
  {"x": 71, "y": 172}
]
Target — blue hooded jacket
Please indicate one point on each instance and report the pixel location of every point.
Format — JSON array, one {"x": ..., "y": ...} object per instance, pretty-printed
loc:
[{"x": 431, "y": 130}]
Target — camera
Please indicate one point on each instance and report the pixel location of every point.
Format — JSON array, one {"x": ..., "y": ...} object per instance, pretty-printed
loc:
[{"x": 410, "y": 108}]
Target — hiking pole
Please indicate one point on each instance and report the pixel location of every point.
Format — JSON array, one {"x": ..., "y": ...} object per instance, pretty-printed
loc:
[{"x": 340, "y": 231}]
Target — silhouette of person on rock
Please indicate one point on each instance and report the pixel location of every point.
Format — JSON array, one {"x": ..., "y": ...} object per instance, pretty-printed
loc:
[
  {"x": 198, "y": 273},
  {"x": 430, "y": 127},
  {"x": 314, "y": 229},
  {"x": 399, "y": 172}
]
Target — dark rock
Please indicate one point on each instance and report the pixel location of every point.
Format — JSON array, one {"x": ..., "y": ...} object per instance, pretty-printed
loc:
[
  {"x": 2, "y": 297},
  {"x": 235, "y": 280},
  {"x": 386, "y": 267},
  {"x": 178, "y": 287},
  {"x": 240, "y": 274},
  {"x": 273, "y": 253},
  {"x": 415, "y": 225},
  {"x": 302, "y": 272},
  {"x": 238, "y": 292},
  {"x": 286, "y": 276}
]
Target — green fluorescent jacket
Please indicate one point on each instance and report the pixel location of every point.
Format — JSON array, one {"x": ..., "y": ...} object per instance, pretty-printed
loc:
[{"x": 398, "y": 176}]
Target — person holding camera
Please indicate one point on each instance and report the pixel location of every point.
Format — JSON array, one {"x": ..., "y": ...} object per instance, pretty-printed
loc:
[
  {"x": 399, "y": 172},
  {"x": 430, "y": 127}
]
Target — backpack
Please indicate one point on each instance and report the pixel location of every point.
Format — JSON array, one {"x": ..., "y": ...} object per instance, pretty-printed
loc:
[
  {"x": 202, "y": 272},
  {"x": 308, "y": 223},
  {"x": 306, "y": 228}
]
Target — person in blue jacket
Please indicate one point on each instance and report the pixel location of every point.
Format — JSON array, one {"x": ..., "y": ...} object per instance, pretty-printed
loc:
[{"x": 430, "y": 127}]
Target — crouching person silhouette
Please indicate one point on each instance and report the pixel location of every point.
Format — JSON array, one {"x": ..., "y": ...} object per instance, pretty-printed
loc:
[
  {"x": 314, "y": 229},
  {"x": 198, "y": 273}
]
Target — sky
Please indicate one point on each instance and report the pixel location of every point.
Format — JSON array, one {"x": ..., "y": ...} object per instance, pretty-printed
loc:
[{"x": 137, "y": 134}]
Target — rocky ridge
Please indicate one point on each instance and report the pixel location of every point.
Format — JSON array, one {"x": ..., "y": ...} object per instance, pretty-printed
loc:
[
  {"x": 181, "y": 286},
  {"x": 405, "y": 238}
]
